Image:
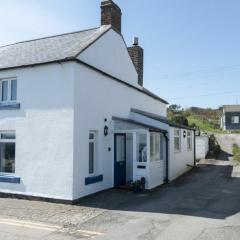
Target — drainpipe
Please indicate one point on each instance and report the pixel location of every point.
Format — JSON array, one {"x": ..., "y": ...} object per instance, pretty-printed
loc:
[
  {"x": 194, "y": 152},
  {"x": 167, "y": 157}
]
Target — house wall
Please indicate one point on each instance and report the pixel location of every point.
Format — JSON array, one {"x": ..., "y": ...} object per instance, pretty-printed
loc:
[
  {"x": 228, "y": 122},
  {"x": 178, "y": 161},
  {"x": 116, "y": 62},
  {"x": 44, "y": 130},
  {"x": 105, "y": 98}
]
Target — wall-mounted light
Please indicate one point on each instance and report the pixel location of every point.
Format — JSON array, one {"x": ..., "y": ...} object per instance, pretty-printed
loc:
[
  {"x": 184, "y": 133},
  {"x": 105, "y": 131}
]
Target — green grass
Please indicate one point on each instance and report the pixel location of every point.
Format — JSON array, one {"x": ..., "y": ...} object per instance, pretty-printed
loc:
[
  {"x": 236, "y": 153},
  {"x": 204, "y": 125}
]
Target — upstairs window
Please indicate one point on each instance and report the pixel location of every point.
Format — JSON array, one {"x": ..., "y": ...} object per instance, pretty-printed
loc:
[
  {"x": 177, "y": 140},
  {"x": 7, "y": 152},
  {"x": 8, "y": 90},
  {"x": 235, "y": 119}
]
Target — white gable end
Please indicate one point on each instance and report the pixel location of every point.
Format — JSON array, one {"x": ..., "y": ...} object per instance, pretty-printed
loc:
[{"x": 109, "y": 54}]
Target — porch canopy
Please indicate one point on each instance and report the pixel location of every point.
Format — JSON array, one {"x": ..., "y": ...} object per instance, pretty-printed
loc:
[{"x": 146, "y": 151}]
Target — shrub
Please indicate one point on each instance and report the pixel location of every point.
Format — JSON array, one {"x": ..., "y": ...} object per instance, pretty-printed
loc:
[{"x": 214, "y": 147}]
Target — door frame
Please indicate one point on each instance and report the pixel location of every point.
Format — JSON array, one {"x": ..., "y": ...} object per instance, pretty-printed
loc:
[{"x": 115, "y": 157}]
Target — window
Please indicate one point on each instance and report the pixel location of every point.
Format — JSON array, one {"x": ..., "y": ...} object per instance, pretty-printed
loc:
[
  {"x": 155, "y": 147},
  {"x": 7, "y": 152},
  {"x": 177, "y": 140},
  {"x": 8, "y": 90},
  {"x": 92, "y": 152},
  {"x": 189, "y": 141},
  {"x": 235, "y": 119},
  {"x": 141, "y": 147}
]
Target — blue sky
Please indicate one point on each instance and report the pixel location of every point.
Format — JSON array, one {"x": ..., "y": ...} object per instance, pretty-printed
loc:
[{"x": 192, "y": 53}]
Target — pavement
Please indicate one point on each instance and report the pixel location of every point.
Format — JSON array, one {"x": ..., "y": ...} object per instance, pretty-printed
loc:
[{"x": 203, "y": 204}]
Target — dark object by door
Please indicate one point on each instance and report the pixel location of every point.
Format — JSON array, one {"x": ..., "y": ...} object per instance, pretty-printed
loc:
[{"x": 119, "y": 159}]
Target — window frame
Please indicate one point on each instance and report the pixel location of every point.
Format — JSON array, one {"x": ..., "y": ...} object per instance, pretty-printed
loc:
[
  {"x": 95, "y": 156},
  {"x": 2, "y": 140},
  {"x": 189, "y": 137},
  {"x": 9, "y": 90},
  {"x": 233, "y": 118},
  {"x": 179, "y": 140},
  {"x": 155, "y": 136}
]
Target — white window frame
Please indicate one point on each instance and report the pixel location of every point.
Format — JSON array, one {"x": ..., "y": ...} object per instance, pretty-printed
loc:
[
  {"x": 95, "y": 155},
  {"x": 189, "y": 138},
  {"x": 235, "y": 119},
  {"x": 154, "y": 136},
  {"x": 179, "y": 139},
  {"x": 9, "y": 93},
  {"x": 8, "y": 141}
]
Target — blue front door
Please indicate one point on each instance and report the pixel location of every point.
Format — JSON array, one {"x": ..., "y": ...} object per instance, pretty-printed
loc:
[{"x": 119, "y": 159}]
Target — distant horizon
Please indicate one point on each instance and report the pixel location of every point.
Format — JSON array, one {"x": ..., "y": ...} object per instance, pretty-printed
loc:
[{"x": 191, "y": 48}]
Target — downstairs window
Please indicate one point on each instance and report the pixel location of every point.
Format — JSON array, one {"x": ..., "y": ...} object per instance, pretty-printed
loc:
[{"x": 7, "y": 152}]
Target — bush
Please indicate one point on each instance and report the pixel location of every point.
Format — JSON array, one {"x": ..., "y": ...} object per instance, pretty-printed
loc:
[
  {"x": 214, "y": 147},
  {"x": 236, "y": 153}
]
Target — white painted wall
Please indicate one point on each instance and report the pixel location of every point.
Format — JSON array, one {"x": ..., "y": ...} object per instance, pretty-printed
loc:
[
  {"x": 129, "y": 157},
  {"x": 202, "y": 147},
  {"x": 116, "y": 60},
  {"x": 178, "y": 161},
  {"x": 98, "y": 97},
  {"x": 44, "y": 130}
]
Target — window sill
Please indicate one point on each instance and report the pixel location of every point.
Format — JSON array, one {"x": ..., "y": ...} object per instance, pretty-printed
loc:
[
  {"x": 9, "y": 179},
  {"x": 93, "y": 179},
  {"x": 9, "y": 106}
]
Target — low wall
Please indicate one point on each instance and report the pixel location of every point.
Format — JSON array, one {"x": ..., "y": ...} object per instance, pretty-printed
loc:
[{"x": 202, "y": 147}]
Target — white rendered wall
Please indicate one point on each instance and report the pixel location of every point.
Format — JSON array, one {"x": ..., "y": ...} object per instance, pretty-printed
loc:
[
  {"x": 110, "y": 55},
  {"x": 44, "y": 131},
  {"x": 202, "y": 147},
  {"x": 178, "y": 161},
  {"x": 98, "y": 97}
]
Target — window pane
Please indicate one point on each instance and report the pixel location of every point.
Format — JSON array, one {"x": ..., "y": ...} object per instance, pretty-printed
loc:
[
  {"x": 141, "y": 147},
  {"x": 162, "y": 147},
  {"x": 4, "y": 90},
  {"x": 8, "y": 136},
  {"x": 91, "y": 135},
  {"x": 14, "y": 90},
  {"x": 7, "y": 157},
  {"x": 91, "y": 158},
  {"x": 177, "y": 143},
  {"x": 152, "y": 147}
]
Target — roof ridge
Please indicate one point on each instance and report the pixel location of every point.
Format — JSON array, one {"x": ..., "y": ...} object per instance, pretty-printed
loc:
[{"x": 52, "y": 36}]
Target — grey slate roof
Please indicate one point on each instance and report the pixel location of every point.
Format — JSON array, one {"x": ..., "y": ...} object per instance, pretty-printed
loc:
[
  {"x": 231, "y": 108},
  {"x": 160, "y": 119},
  {"x": 49, "y": 49},
  {"x": 55, "y": 49}
]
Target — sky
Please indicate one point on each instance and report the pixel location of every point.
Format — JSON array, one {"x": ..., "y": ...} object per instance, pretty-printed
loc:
[{"x": 191, "y": 48}]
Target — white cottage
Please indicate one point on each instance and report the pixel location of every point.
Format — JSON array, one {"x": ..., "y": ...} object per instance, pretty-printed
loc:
[{"x": 75, "y": 118}]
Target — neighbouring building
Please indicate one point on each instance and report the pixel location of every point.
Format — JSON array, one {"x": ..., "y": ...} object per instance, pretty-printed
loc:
[
  {"x": 75, "y": 118},
  {"x": 230, "y": 119}
]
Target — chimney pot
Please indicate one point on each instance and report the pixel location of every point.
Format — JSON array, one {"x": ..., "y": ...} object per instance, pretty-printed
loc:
[{"x": 135, "y": 41}]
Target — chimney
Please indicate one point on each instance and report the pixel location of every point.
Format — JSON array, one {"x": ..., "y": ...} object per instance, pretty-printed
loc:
[
  {"x": 111, "y": 14},
  {"x": 136, "y": 54}
]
